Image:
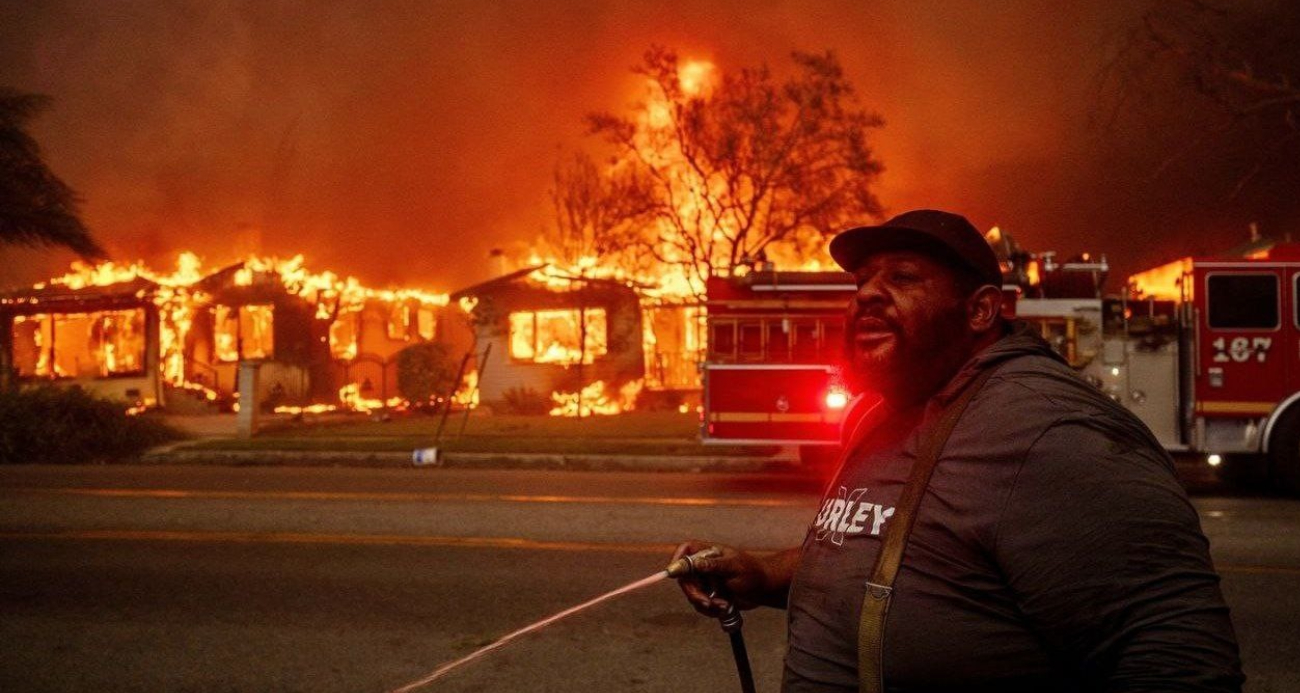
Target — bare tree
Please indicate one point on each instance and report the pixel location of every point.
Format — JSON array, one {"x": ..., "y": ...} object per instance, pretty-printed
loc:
[
  {"x": 36, "y": 208},
  {"x": 747, "y": 162},
  {"x": 598, "y": 213},
  {"x": 1228, "y": 71}
]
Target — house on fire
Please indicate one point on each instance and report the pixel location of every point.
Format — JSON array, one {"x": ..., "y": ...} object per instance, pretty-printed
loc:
[
  {"x": 556, "y": 335},
  {"x": 105, "y": 338},
  {"x": 178, "y": 341},
  {"x": 180, "y": 345}
]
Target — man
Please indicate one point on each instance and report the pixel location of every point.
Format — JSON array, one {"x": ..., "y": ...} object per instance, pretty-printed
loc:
[{"x": 1053, "y": 548}]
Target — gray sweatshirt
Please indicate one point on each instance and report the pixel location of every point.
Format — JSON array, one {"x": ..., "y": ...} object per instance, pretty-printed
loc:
[{"x": 1054, "y": 550}]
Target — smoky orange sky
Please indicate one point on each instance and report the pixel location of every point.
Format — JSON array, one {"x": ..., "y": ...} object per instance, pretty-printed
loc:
[{"x": 401, "y": 141}]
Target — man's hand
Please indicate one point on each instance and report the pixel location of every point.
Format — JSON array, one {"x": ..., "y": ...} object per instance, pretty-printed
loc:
[{"x": 734, "y": 575}]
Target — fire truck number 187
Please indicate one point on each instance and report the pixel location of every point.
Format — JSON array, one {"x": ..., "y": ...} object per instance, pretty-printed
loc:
[{"x": 1240, "y": 349}]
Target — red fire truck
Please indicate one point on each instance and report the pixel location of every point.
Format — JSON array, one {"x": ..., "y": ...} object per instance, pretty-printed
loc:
[
  {"x": 1210, "y": 360},
  {"x": 1212, "y": 366},
  {"x": 775, "y": 350},
  {"x": 775, "y": 342}
]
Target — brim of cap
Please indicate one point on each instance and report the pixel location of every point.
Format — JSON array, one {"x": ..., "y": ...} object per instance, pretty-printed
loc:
[{"x": 851, "y": 247}]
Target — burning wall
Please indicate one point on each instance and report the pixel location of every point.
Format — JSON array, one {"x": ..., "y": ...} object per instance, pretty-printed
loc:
[{"x": 547, "y": 339}]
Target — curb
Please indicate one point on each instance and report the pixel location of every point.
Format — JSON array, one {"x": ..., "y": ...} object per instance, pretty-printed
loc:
[{"x": 476, "y": 460}]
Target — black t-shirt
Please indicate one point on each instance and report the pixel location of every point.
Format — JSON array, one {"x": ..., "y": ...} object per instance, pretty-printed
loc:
[{"x": 1054, "y": 550}]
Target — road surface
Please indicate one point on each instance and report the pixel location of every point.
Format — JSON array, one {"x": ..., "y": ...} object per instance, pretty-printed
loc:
[{"x": 333, "y": 579}]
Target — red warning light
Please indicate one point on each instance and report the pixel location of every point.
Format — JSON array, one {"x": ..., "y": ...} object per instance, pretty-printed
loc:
[{"x": 837, "y": 399}]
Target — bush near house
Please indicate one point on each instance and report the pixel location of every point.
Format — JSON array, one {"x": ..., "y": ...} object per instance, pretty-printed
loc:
[
  {"x": 526, "y": 401},
  {"x": 425, "y": 371},
  {"x": 69, "y": 426}
]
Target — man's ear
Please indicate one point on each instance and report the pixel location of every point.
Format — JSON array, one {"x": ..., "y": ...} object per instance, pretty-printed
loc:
[{"x": 983, "y": 308}]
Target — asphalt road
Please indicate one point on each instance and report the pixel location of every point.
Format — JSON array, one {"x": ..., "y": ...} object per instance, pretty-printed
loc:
[{"x": 336, "y": 579}]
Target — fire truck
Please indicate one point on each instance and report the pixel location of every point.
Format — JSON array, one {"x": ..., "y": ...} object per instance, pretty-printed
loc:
[
  {"x": 775, "y": 343},
  {"x": 1208, "y": 356},
  {"x": 1206, "y": 352}
]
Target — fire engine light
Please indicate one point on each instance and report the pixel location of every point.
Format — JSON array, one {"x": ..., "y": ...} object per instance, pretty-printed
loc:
[
  {"x": 837, "y": 399},
  {"x": 1214, "y": 460}
]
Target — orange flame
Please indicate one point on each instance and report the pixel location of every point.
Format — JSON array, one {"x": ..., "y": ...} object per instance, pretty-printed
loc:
[
  {"x": 1164, "y": 282},
  {"x": 177, "y": 297},
  {"x": 593, "y": 400}
]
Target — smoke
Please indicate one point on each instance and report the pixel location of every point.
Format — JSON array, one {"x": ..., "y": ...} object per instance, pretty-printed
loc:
[{"x": 402, "y": 141}]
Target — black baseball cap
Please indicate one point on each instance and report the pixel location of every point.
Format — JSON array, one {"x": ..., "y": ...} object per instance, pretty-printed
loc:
[{"x": 946, "y": 236}]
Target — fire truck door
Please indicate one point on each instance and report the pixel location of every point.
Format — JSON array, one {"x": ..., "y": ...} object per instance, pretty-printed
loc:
[{"x": 1246, "y": 346}]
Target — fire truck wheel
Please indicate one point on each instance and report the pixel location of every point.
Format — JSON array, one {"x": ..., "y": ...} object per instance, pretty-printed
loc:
[{"x": 1284, "y": 452}]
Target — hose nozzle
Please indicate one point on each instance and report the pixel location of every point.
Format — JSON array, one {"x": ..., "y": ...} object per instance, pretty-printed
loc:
[{"x": 686, "y": 564}]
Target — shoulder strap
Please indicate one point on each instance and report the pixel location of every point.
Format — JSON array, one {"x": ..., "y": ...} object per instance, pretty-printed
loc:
[{"x": 880, "y": 586}]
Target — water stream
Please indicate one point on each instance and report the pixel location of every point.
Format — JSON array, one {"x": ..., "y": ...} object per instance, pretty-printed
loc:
[{"x": 455, "y": 664}]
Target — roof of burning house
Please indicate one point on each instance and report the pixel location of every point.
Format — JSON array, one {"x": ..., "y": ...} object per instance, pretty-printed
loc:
[
  {"x": 520, "y": 279},
  {"x": 60, "y": 298},
  {"x": 795, "y": 278}
]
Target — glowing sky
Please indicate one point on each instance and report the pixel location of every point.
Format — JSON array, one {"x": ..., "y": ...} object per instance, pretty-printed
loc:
[{"x": 401, "y": 141}]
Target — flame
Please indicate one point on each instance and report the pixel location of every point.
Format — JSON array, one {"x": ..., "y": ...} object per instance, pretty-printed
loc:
[
  {"x": 350, "y": 397},
  {"x": 696, "y": 77},
  {"x": 467, "y": 394},
  {"x": 699, "y": 240},
  {"x": 593, "y": 400},
  {"x": 178, "y": 298},
  {"x": 556, "y": 336},
  {"x": 1164, "y": 282},
  {"x": 309, "y": 409}
]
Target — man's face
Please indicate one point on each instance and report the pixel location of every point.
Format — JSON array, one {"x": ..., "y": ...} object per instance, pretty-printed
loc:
[{"x": 908, "y": 322}]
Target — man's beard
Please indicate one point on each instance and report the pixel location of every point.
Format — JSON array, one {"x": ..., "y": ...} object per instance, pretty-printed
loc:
[{"x": 903, "y": 362}]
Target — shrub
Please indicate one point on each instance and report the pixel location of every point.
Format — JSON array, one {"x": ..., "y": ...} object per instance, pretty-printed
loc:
[
  {"x": 425, "y": 371},
  {"x": 68, "y": 425},
  {"x": 527, "y": 401}
]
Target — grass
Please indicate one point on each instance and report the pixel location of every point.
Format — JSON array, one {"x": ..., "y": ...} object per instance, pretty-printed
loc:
[
  {"x": 636, "y": 433},
  {"x": 658, "y": 425}
]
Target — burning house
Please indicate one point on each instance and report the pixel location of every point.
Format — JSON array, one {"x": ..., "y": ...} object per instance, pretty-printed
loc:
[
  {"x": 565, "y": 342},
  {"x": 128, "y": 333},
  {"x": 556, "y": 341},
  {"x": 103, "y": 337}
]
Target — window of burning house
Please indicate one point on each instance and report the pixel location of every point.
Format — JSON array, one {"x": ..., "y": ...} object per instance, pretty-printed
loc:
[
  {"x": 244, "y": 332},
  {"x": 345, "y": 331},
  {"x": 399, "y": 322},
  {"x": 426, "y": 323},
  {"x": 80, "y": 345},
  {"x": 554, "y": 336}
]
